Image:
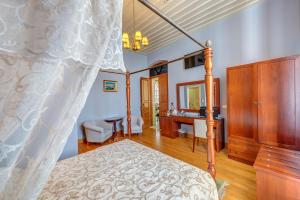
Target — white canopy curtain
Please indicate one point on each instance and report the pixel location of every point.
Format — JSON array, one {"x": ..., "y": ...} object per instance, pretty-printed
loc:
[{"x": 50, "y": 54}]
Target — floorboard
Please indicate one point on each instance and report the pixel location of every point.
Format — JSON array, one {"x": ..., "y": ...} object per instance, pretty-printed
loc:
[{"x": 240, "y": 177}]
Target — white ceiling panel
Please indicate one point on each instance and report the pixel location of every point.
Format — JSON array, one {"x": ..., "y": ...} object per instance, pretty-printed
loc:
[{"x": 189, "y": 14}]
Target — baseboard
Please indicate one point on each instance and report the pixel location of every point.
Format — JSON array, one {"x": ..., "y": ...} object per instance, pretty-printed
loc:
[{"x": 82, "y": 140}]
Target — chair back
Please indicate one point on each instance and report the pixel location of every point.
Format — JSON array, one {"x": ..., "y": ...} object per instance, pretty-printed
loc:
[
  {"x": 200, "y": 128},
  {"x": 134, "y": 120}
]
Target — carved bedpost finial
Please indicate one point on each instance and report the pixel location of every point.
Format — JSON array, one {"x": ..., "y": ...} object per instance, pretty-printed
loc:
[{"x": 208, "y": 43}]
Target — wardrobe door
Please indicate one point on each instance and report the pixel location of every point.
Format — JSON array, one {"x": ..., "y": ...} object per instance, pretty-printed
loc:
[
  {"x": 163, "y": 94},
  {"x": 242, "y": 112},
  {"x": 277, "y": 103},
  {"x": 146, "y": 101}
]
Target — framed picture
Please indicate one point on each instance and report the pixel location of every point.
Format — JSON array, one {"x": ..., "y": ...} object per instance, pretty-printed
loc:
[{"x": 110, "y": 86}]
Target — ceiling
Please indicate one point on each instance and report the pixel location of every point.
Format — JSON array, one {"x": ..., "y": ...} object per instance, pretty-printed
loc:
[{"x": 188, "y": 14}]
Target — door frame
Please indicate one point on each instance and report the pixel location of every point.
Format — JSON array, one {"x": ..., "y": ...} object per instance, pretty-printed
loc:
[{"x": 151, "y": 95}]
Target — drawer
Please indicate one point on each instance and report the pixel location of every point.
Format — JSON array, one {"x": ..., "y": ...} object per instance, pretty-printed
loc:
[
  {"x": 243, "y": 149},
  {"x": 277, "y": 173}
]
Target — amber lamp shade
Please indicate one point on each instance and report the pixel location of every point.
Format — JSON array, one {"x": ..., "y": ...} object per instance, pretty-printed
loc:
[
  {"x": 138, "y": 36},
  {"x": 145, "y": 41},
  {"x": 126, "y": 45},
  {"x": 125, "y": 37}
]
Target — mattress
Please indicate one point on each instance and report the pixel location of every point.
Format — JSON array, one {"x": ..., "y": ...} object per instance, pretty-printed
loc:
[{"x": 127, "y": 170}]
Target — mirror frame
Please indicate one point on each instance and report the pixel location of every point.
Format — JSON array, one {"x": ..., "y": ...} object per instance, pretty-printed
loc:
[{"x": 216, "y": 88}]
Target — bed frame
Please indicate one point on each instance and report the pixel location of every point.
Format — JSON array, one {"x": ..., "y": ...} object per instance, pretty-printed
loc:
[{"x": 208, "y": 83}]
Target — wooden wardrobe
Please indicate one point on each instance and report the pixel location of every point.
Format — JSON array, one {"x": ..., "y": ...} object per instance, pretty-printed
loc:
[{"x": 263, "y": 101}]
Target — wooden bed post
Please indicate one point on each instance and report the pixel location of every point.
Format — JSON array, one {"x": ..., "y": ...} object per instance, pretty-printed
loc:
[
  {"x": 209, "y": 110},
  {"x": 128, "y": 104}
]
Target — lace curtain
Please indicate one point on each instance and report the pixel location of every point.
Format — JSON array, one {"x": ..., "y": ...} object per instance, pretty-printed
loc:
[{"x": 50, "y": 54}]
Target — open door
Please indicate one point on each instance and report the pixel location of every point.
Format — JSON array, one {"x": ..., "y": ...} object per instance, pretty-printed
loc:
[{"x": 146, "y": 101}]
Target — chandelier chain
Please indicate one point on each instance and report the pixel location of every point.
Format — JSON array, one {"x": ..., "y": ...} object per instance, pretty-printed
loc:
[
  {"x": 138, "y": 40},
  {"x": 133, "y": 13}
]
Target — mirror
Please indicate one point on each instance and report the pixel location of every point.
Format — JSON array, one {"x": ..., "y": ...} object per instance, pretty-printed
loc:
[{"x": 192, "y": 95}]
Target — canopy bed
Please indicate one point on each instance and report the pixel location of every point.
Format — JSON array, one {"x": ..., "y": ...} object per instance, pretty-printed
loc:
[
  {"x": 54, "y": 74},
  {"x": 209, "y": 87}
]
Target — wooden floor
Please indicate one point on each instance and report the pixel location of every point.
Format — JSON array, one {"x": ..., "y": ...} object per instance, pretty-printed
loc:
[{"x": 239, "y": 176}]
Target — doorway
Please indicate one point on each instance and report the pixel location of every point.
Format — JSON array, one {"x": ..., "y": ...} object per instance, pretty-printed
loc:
[{"x": 154, "y": 99}]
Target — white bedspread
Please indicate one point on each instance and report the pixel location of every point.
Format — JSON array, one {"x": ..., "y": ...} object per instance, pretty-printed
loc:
[{"x": 128, "y": 170}]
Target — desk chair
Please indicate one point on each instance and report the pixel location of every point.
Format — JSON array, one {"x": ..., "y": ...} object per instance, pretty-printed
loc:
[{"x": 200, "y": 129}]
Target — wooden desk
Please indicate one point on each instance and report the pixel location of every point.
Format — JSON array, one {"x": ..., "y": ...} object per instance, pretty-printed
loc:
[
  {"x": 277, "y": 173},
  {"x": 169, "y": 126}
]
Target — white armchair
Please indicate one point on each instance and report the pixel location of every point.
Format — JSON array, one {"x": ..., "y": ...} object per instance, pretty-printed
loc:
[
  {"x": 97, "y": 131},
  {"x": 136, "y": 125}
]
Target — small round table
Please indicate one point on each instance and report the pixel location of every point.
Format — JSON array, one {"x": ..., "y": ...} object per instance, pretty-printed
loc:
[{"x": 114, "y": 121}]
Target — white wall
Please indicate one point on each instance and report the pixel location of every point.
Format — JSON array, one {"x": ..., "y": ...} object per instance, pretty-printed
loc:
[{"x": 268, "y": 29}]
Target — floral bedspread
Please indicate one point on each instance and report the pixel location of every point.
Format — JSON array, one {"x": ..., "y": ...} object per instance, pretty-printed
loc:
[{"x": 128, "y": 170}]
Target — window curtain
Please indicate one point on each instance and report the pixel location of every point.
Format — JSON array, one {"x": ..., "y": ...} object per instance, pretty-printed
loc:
[{"x": 50, "y": 54}]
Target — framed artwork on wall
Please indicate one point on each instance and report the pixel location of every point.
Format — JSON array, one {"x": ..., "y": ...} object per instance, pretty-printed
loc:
[{"x": 110, "y": 86}]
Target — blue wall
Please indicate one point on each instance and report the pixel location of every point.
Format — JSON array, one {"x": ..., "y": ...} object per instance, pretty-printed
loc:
[
  {"x": 100, "y": 105},
  {"x": 71, "y": 148},
  {"x": 267, "y": 29}
]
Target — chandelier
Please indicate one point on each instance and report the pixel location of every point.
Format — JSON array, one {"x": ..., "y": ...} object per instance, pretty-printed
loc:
[{"x": 138, "y": 40}]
